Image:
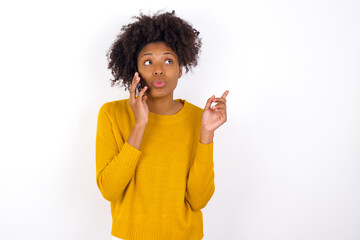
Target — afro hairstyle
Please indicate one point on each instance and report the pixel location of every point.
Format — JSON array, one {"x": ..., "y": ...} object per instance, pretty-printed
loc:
[{"x": 178, "y": 34}]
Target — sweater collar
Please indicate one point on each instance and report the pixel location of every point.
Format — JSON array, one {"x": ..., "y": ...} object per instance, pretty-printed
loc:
[{"x": 168, "y": 119}]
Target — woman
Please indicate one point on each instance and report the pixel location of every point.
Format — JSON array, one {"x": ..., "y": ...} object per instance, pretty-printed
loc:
[{"x": 154, "y": 154}]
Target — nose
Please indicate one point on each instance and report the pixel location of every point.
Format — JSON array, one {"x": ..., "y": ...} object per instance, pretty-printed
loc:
[{"x": 158, "y": 71}]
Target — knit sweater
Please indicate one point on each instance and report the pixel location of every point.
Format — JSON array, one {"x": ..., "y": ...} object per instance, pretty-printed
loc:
[{"x": 157, "y": 192}]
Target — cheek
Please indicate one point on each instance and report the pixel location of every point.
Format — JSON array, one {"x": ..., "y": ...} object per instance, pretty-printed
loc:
[
  {"x": 174, "y": 83},
  {"x": 144, "y": 74}
]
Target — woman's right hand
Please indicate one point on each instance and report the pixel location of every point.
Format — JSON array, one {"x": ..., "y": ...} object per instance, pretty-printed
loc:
[{"x": 138, "y": 105}]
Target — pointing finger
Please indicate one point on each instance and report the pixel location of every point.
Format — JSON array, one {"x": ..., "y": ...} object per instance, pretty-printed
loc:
[{"x": 225, "y": 94}]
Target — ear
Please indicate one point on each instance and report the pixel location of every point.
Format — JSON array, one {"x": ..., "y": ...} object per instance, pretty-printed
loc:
[{"x": 180, "y": 71}]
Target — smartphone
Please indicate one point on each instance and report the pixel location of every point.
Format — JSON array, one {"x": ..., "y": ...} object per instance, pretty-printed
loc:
[
  {"x": 141, "y": 84},
  {"x": 139, "y": 87}
]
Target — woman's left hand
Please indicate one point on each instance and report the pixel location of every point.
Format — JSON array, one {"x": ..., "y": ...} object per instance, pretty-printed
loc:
[{"x": 214, "y": 117}]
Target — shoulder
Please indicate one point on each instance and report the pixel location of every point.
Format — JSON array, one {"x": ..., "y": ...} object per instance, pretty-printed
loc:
[
  {"x": 109, "y": 107},
  {"x": 194, "y": 114},
  {"x": 194, "y": 108}
]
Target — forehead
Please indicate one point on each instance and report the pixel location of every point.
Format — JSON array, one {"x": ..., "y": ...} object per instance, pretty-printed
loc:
[{"x": 156, "y": 48}]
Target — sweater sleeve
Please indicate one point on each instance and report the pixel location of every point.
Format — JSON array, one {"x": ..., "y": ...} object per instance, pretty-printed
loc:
[
  {"x": 114, "y": 167},
  {"x": 201, "y": 178}
]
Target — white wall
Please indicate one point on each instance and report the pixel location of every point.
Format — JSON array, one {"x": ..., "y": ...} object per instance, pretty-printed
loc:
[{"x": 286, "y": 161}]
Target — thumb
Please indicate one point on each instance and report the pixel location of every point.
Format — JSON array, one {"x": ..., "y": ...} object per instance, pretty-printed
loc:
[{"x": 208, "y": 103}]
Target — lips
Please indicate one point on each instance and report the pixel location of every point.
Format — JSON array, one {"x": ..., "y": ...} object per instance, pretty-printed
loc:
[{"x": 158, "y": 83}]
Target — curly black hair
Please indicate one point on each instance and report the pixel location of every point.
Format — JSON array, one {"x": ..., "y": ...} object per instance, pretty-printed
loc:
[{"x": 178, "y": 34}]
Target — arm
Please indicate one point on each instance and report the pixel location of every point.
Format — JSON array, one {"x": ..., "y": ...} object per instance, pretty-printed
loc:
[
  {"x": 114, "y": 167},
  {"x": 200, "y": 184},
  {"x": 201, "y": 179}
]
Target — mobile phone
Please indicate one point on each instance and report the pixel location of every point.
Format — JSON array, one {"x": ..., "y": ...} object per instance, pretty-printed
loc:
[{"x": 139, "y": 86}]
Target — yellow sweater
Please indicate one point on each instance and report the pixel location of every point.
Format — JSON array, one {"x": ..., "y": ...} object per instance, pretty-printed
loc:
[{"x": 157, "y": 192}]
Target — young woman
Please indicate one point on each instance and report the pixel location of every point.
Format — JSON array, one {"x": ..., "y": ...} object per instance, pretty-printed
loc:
[{"x": 154, "y": 154}]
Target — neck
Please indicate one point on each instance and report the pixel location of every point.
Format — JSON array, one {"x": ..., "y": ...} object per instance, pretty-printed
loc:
[{"x": 162, "y": 106}]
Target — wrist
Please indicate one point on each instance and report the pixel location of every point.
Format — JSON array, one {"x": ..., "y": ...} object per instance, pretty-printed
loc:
[
  {"x": 206, "y": 137},
  {"x": 140, "y": 125},
  {"x": 207, "y": 132}
]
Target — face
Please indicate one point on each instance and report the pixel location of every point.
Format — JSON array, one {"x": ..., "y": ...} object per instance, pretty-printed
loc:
[{"x": 158, "y": 66}]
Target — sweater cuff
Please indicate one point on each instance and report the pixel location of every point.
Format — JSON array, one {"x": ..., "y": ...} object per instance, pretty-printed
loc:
[
  {"x": 205, "y": 152},
  {"x": 129, "y": 154}
]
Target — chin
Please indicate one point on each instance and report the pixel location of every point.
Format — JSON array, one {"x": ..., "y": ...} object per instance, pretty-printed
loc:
[{"x": 159, "y": 93}]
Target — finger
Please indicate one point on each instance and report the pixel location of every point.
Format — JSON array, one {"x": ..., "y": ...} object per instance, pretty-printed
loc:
[
  {"x": 225, "y": 94},
  {"x": 219, "y": 107},
  {"x": 220, "y": 104},
  {"x": 142, "y": 92},
  {"x": 132, "y": 88},
  {"x": 134, "y": 83},
  {"x": 223, "y": 100},
  {"x": 208, "y": 103}
]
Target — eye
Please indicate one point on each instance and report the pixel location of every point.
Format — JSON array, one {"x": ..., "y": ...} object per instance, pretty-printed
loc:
[
  {"x": 169, "y": 61},
  {"x": 147, "y": 62}
]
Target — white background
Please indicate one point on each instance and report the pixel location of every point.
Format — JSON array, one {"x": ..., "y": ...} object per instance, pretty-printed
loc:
[{"x": 286, "y": 161}]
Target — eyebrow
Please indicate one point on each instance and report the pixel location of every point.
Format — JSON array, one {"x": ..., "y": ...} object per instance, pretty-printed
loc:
[{"x": 165, "y": 53}]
